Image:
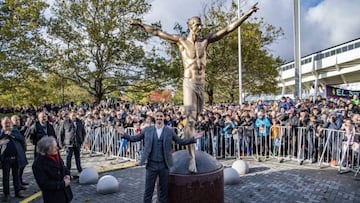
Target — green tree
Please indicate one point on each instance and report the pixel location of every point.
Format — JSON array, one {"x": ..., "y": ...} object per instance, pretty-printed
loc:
[
  {"x": 93, "y": 46},
  {"x": 258, "y": 66},
  {"x": 37, "y": 88},
  {"x": 21, "y": 43},
  {"x": 60, "y": 90}
]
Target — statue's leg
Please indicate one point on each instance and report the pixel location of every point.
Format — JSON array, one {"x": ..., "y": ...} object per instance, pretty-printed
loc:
[
  {"x": 191, "y": 149},
  {"x": 191, "y": 109},
  {"x": 197, "y": 102},
  {"x": 192, "y": 162},
  {"x": 189, "y": 131}
]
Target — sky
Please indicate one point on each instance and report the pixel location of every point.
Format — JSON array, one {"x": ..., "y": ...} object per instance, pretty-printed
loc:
[{"x": 323, "y": 23}]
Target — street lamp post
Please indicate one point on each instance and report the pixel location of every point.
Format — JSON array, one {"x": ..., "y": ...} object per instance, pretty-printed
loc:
[
  {"x": 62, "y": 86},
  {"x": 240, "y": 67},
  {"x": 63, "y": 75},
  {"x": 297, "y": 52}
]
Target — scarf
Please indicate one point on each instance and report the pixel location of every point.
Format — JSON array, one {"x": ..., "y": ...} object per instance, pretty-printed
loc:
[{"x": 55, "y": 158}]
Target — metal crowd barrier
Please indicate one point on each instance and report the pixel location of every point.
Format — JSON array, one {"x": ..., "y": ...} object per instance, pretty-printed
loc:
[
  {"x": 292, "y": 143},
  {"x": 106, "y": 141},
  {"x": 339, "y": 151},
  {"x": 303, "y": 144}
]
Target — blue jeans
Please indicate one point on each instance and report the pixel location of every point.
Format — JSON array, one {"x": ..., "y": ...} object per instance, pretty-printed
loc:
[
  {"x": 123, "y": 145},
  {"x": 69, "y": 153}
]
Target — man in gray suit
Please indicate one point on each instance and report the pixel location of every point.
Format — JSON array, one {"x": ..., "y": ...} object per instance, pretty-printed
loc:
[{"x": 157, "y": 154}]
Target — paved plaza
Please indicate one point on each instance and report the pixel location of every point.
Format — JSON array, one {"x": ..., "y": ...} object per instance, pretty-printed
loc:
[{"x": 268, "y": 181}]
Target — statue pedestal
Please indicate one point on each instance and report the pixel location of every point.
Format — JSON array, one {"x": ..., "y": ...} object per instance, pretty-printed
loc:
[{"x": 207, "y": 185}]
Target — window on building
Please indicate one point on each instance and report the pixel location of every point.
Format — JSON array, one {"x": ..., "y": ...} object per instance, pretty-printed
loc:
[
  {"x": 351, "y": 46},
  {"x": 338, "y": 51},
  {"x": 357, "y": 44}
]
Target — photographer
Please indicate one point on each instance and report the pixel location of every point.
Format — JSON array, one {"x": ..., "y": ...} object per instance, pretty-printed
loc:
[{"x": 334, "y": 121}]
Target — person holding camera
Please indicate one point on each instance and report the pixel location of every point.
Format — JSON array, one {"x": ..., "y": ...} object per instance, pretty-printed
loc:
[{"x": 334, "y": 121}]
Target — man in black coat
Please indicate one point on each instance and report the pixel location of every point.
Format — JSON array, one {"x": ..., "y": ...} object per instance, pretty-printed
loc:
[
  {"x": 23, "y": 161},
  {"x": 72, "y": 136},
  {"x": 11, "y": 155},
  {"x": 39, "y": 129}
]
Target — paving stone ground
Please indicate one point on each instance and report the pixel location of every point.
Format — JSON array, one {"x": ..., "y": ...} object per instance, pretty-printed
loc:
[{"x": 268, "y": 181}]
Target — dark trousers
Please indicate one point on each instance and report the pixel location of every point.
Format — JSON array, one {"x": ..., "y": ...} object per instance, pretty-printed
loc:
[
  {"x": 311, "y": 147},
  {"x": 21, "y": 172},
  {"x": 154, "y": 170},
  {"x": 69, "y": 152},
  {"x": 35, "y": 152},
  {"x": 10, "y": 163}
]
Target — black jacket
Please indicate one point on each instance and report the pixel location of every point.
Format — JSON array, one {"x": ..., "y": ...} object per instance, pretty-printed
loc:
[
  {"x": 36, "y": 132},
  {"x": 18, "y": 141},
  {"x": 50, "y": 177}
]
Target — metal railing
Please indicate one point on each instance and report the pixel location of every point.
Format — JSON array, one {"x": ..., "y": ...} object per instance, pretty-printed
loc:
[{"x": 325, "y": 147}]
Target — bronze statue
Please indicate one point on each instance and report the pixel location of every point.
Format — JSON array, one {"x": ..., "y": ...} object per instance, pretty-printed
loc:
[{"x": 193, "y": 52}]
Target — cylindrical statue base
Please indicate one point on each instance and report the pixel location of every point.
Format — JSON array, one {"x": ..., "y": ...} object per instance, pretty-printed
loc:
[{"x": 207, "y": 185}]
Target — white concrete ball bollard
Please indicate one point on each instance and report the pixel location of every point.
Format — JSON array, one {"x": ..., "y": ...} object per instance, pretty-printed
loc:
[
  {"x": 231, "y": 176},
  {"x": 241, "y": 166},
  {"x": 107, "y": 184},
  {"x": 88, "y": 176}
]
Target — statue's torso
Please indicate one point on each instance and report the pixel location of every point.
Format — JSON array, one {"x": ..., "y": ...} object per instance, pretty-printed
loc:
[{"x": 194, "y": 58}]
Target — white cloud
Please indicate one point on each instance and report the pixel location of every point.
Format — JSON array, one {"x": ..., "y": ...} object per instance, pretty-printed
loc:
[
  {"x": 280, "y": 14},
  {"x": 170, "y": 12},
  {"x": 324, "y": 23},
  {"x": 333, "y": 22}
]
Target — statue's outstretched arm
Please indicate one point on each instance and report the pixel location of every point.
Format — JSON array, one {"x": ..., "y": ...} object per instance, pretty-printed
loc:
[
  {"x": 215, "y": 36},
  {"x": 156, "y": 31}
]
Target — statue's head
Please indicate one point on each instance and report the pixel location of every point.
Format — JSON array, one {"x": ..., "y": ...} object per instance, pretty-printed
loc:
[{"x": 194, "y": 24}]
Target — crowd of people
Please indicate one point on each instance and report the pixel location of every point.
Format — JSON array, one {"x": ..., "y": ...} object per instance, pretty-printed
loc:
[
  {"x": 320, "y": 111},
  {"x": 67, "y": 124}
]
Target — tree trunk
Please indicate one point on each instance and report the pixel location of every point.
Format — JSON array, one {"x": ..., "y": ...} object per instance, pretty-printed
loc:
[
  {"x": 210, "y": 93},
  {"x": 232, "y": 97},
  {"x": 99, "y": 93},
  {"x": 232, "y": 94}
]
